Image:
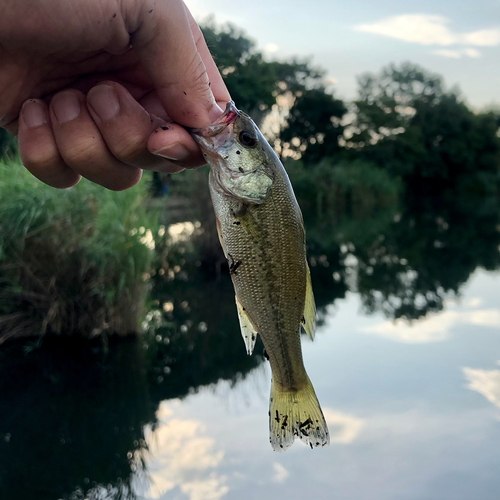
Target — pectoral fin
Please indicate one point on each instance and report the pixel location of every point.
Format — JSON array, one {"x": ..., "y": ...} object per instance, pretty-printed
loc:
[
  {"x": 309, "y": 316},
  {"x": 247, "y": 329}
]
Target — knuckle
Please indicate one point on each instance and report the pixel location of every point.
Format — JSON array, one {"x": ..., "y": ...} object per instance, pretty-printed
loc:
[
  {"x": 40, "y": 159},
  {"x": 124, "y": 181},
  {"x": 129, "y": 147},
  {"x": 82, "y": 153}
]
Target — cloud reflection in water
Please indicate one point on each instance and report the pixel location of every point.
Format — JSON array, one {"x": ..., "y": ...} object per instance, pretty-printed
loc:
[
  {"x": 435, "y": 328},
  {"x": 486, "y": 382},
  {"x": 183, "y": 457}
]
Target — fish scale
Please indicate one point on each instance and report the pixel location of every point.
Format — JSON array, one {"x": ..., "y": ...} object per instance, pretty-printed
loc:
[
  {"x": 261, "y": 231},
  {"x": 273, "y": 312}
]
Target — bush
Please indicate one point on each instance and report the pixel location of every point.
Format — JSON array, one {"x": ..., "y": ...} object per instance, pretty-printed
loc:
[
  {"x": 73, "y": 260},
  {"x": 353, "y": 188}
]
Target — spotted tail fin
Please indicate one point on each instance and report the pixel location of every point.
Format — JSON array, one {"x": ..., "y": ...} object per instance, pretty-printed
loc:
[{"x": 296, "y": 414}]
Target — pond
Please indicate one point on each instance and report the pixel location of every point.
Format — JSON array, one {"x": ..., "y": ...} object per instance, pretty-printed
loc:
[{"x": 405, "y": 364}]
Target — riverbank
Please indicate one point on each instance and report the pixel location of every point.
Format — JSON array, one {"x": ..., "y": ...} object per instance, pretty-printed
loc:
[{"x": 72, "y": 261}]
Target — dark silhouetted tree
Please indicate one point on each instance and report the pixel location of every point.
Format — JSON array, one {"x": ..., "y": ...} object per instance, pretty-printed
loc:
[
  {"x": 313, "y": 126},
  {"x": 408, "y": 124}
]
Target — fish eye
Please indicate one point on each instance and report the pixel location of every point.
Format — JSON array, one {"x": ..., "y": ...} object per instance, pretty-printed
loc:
[{"x": 246, "y": 139}]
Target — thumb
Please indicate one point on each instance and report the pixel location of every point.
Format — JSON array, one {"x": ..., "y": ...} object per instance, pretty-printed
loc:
[{"x": 173, "y": 52}]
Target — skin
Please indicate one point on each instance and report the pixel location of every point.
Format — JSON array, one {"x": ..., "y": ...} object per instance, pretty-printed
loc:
[{"x": 103, "y": 88}]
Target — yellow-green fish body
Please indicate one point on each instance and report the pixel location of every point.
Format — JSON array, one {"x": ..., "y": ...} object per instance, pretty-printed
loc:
[{"x": 262, "y": 234}]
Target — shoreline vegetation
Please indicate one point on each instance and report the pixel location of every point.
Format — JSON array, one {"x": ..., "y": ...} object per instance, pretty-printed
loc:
[
  {"x": 400, "y": 192},
  {"x": 71, "y": 260}
]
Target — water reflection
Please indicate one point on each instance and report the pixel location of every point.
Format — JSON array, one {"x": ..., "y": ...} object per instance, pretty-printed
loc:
[
  {"x": 183, "y": 458},
  {"x": 82, "y": 418},
  {"x": 486, "y": 382},
  {"x": 435, "y": 328},
  {"x": 129, "y": 420},
  {"x": 343, "y": 428},
  {"x": 72, "y": 415}
]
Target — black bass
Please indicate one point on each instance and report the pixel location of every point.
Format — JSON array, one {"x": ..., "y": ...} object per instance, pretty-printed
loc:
[{"x": 262, "y": 234}]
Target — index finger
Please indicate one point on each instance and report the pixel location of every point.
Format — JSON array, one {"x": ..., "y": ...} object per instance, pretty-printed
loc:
[{"x": 174, "y": 53}]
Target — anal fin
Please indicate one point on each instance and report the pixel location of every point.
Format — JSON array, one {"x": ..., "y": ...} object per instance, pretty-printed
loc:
[
  {"x": 248, "y": 331},
  {"x": 309, "y": 315}
]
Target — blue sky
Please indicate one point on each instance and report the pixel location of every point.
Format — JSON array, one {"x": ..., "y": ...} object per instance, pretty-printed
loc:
[{"x": 459, "y": 40}]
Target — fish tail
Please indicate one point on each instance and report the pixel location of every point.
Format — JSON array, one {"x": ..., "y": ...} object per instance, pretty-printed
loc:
[{"x": 296, "y": 414}]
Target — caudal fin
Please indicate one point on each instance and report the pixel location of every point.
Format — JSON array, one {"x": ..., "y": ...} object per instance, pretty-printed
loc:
[{"x": 296, "y": 414}]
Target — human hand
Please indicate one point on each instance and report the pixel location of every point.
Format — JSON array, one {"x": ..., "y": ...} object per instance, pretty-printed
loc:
[{"x": 102, "y": 89}]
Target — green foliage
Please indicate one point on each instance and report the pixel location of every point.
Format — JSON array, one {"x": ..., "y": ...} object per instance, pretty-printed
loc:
[
  {"x": 254, "y": 82},
  {"x": 71, "y": 259},
  {"x": 7, "y": 143},
  {"x": 408, "y": 124},
  {"x": 334, "y": 190},
  {"x": 342, "y": 203},
  {"x": 313, "y": 126}
]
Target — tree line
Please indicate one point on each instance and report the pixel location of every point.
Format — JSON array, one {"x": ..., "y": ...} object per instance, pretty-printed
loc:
[
  {"x": 406, "y": 178},
  {"x": 404, "y": 120}
]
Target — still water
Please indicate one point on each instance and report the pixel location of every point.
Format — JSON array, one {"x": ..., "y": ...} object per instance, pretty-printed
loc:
[
  {"x": 413, "y": 407},
  {"x": 414, "y": 413}
]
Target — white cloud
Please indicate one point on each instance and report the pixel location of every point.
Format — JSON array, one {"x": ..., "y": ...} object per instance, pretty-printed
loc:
[
  {"x": 486, "y": 382},
  {"x": 472, "y": 53},
  {"x": 433, "y": 328},
  {"x": 280, "y": 473},
  {"x": 483, "y": 38},
  {"x": 458, "y": 54},
  {"x": 474, "y": 302},
  {"x": 453, "y": 54},
  {"x": 417, "y": 28},
  {"x": 428, "y": 29},
  {"x": 343, "y": 428},
  {"x": 206, "y": 489}
]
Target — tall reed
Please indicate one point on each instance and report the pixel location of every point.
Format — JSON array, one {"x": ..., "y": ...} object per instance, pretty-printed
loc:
[{"x": 72, "y": 261}]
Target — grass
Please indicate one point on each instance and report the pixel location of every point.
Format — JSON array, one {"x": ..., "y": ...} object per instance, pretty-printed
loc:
[{"x": 73, "y": 260}]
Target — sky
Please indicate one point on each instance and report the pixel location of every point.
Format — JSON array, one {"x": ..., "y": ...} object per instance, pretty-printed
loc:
[{"x": 459, "y": 39}]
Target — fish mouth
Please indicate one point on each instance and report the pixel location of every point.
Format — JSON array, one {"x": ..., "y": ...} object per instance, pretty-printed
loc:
[{"x": 212, "y": 137}]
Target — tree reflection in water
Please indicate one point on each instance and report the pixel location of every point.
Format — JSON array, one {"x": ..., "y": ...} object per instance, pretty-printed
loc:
[
  {"x": 72, "y": 417},
  {"x": 73, "y": 413}
]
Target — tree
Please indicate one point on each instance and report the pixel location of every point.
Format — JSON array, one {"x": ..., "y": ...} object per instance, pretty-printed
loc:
[
  {"x": 254, "y": 82},
  {"x": 408, "y": 124},
  {"x": 313, "y": 126}
]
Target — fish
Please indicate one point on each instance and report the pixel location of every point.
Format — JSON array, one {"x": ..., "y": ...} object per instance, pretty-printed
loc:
[{"x": 261, "y": 232}]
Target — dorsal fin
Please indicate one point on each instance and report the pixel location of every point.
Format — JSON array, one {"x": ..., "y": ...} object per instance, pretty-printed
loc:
[{"x": 248, "y": 331}]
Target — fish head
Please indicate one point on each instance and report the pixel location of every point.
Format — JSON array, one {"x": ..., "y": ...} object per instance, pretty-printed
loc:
[{"x": 238, "y": 154}]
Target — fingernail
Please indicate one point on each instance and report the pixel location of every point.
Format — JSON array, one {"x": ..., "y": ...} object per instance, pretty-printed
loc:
[
  {"x": 173, "y": 152},
  {"x": 104, "y": 102},
  {"x": 215, "y": 112},
  {"x": 66, "y": 106},
  {"x": 34, "y": 114}
]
